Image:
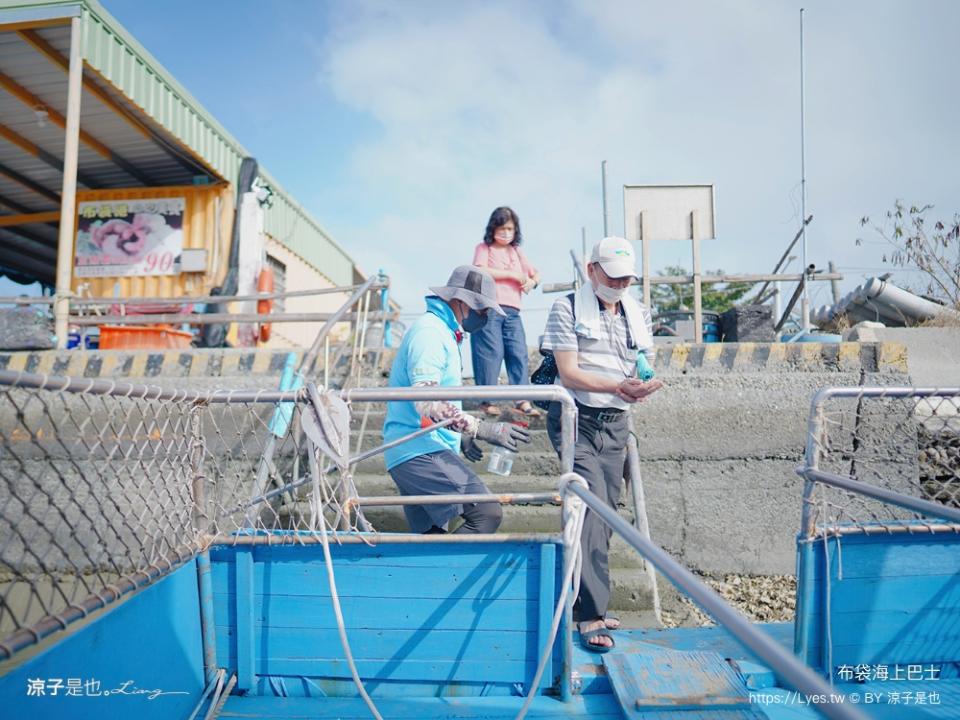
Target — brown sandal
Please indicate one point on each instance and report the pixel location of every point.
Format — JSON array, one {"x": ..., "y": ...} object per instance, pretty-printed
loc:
[
  {"x": 527, "y": 409},
  {"x": 489, "y": 409}
]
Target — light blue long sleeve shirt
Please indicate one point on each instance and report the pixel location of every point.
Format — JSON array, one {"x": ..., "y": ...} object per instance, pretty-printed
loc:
[{"x": 429, "y": 352}]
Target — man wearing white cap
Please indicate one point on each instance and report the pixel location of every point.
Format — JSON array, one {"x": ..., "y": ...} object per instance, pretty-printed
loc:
[
  {"x": 595, "y": 336},
  {"x": 429, "y": 354}
]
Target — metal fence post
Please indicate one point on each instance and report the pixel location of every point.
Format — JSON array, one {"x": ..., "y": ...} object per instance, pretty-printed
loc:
[
  {"x": 201, "y": 522},
  {"x": 640, "y": 519}
]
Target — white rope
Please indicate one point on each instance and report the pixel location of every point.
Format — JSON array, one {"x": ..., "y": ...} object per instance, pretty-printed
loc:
[
  {"x": 335, "y": 597},
  {"x": 316, "y": 505},
  {"x": 826, "y": 610},
  {"x": 572, "y": 531},
  {"x": 839, "y": 557}
]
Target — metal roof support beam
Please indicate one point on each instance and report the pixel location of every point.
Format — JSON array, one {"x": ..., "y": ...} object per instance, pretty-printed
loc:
[
  {"x": 68, "y": 207},
  {"x": 23, "y": 210},
  {"x": 32, "y": 102},
  {"x": 51, "y": 53},
  {"x": 18, "y": 208},
  {"x": 32, "y": 236},
  {"x": 28, "y": 218},
  {"x": 15, "y": 206},
  {"x": 39, "y": 16},
  {"x": 30, "y": 257},
  {"x": 38, "y": 152},
  {"x": 33, "y": 24},
  {"x": 29, "y": 184},
  {"x": 36, "y": 251}
]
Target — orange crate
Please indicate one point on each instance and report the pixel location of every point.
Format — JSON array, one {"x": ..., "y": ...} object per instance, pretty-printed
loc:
[{"x": 143, "y": 337}]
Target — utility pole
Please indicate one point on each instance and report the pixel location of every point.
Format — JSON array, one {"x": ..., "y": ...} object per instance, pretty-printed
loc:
[
  {"x": 805, "y": 302},
  {"x": 834, "y": 284},
  {"x": 606, "y": 211}
]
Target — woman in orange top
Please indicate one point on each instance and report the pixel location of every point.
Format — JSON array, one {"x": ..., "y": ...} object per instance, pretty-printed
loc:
[{"x": 502, "y": 339}]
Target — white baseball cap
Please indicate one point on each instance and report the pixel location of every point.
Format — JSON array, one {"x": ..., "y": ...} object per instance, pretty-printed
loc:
[{"x": 615, "y": 256}]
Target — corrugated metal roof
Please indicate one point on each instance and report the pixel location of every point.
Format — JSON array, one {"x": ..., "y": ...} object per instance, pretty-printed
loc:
[{"x": 179, "y": 126}]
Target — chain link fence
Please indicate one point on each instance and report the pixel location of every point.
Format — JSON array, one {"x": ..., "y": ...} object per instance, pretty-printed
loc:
[
  {"x": 902, "y": 440},
  {"x": 106, "y": 486}
]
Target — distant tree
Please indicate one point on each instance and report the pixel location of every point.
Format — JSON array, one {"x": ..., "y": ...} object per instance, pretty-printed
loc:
[
  {"x": 717, "y": 298},
  {"x": 934, "y": 254}
]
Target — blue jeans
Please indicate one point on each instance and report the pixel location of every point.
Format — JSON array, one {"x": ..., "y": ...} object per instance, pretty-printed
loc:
[{"x": 501, "y": 339}]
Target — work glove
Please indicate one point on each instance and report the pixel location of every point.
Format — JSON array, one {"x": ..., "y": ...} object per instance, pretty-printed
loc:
[
  {"x": 504, "y": 434},
  {"x": 471, "y": 451}
]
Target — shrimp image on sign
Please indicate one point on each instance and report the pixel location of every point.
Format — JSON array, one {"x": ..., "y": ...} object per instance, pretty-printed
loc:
[
  {"x": 130, "y": 241},
  {"x": 135, "y": 237}
]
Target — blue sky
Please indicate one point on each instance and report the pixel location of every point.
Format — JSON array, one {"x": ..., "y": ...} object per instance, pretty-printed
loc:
[{"x": 401, "y": 125}]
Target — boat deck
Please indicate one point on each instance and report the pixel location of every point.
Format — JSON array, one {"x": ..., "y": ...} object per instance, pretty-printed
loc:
[{"x": 599, "y": 700}]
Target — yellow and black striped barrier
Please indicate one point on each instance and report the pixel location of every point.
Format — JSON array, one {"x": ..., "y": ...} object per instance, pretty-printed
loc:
[
  {"x": 671, "y": 359},
  {"x": 149, "y": 363},
  {"x": 847, "y": 356}
]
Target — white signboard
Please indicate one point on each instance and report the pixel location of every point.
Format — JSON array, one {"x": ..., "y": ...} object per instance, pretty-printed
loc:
[
  {"x": 129, "y": 237},
  {"x": 668, "y": 212}
]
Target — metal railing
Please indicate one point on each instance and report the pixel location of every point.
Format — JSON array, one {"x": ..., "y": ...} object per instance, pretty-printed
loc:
[
  {"x": 783, "y": 663},
  {"x": 882, "y": 459},
  {"x": 640, "y": 520},
  {"x": 107, "y": 486},
  {"x": 878, "y": 460},
  {"x": 90, "y": 315}
]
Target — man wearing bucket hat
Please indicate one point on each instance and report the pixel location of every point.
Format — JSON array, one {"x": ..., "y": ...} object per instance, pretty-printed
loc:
[
  {"x": 429, "y": 354},
  {"x": 596, "y": 336}
]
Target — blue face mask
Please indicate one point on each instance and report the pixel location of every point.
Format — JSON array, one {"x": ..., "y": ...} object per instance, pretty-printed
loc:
[{"x": 474, "y": 321}]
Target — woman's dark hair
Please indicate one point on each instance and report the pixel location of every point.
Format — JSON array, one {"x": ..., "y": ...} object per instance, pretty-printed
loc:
[{"x": 501, "y": 216}]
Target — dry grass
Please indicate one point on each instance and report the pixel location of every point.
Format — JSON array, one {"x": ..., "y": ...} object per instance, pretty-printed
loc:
[
  {"x": 943, "y": 320},
  {"x": 841, "y": 323}
]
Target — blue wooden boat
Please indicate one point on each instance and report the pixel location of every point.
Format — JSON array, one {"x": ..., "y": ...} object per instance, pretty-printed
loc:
[{"x": 202, "y": 609}]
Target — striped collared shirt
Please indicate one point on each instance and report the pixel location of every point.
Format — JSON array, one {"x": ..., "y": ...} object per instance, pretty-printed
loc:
[{"x": 607, "y": 355}]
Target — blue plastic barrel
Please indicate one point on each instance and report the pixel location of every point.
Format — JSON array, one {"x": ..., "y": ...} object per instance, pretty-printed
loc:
[
  {"x": 711, "y": 327},
  {"x": 813, "y": 337}
]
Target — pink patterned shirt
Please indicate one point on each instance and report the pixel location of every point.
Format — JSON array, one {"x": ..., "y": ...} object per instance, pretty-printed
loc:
[{"x": 504, "y": 258}]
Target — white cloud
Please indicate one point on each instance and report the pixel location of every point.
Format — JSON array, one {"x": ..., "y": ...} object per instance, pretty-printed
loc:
[{"x": 517, "y": 103}]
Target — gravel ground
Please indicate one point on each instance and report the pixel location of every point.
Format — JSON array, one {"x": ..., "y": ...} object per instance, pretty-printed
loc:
[{"x": 762, "y": 598}]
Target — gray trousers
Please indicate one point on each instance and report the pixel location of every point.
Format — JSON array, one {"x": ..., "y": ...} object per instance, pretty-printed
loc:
[
  {"x": 444, "y": 473},
  {"x": 598, "y": 457}
]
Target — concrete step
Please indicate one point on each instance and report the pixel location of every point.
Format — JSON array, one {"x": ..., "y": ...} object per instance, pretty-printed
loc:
[
  {"x": 525, "y": 463},
  {"x": 373, "y": 437},
  {"x": 382, "y": 484},
  {"x": 377, "y": 410},
  {"x": 516, "y": 518}
]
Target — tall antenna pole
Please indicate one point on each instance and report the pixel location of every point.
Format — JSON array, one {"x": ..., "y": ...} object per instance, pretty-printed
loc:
[
  {"x": 606, "y": 212},
  {"x": 805, "y": 302}
]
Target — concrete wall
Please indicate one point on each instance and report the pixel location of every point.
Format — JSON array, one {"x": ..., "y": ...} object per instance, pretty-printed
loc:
[
  {"x": 933, "y": 353},
  {"x": 719, "y": 445},
  {"x": 301, "y": 275}
]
